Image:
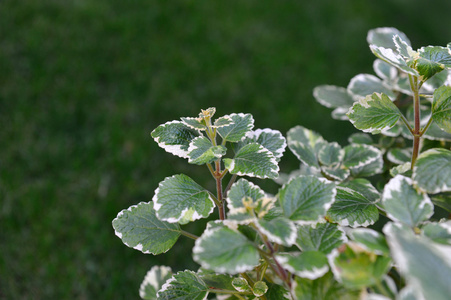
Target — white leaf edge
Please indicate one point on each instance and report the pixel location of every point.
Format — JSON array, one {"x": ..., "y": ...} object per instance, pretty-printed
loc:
[
  {"x": 309, "y": 274},
  {"x": 151, "y": 279},
  {"x": 255, "y": 134},
  {"x": 173, "y": 149}
]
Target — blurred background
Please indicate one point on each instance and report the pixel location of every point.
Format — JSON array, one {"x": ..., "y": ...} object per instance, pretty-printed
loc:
[{"x": 83, "y": 83}]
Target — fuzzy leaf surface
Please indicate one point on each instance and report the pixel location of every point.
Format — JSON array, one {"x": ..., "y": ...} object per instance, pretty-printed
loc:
[
  {"x": 441, "y": 108},
  {"x": 429, "y": 275},
  {"x": 403, "y": 203},
  {"x": 323, "y": 237},
  {"x": 374, "y": 113},
  {"x": 174, "y": 137},
  {"x": 139, "y": 228},
  {"x": 201, "y": 151},
  {"x": 306, "y": 199},
  {"x": 253, "y": 160},
  {"x": 432, "y": 171},
  {"x": 185, "y": 285},
  {"x": 224, "y": 250},
  {"x": 180, "y": 199},
  {"x": 307, "y": 264},
  {"x": 234, "y": 132}
]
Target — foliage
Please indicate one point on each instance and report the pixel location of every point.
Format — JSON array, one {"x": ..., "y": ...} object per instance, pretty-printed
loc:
[{"x": 315, "y": 238}]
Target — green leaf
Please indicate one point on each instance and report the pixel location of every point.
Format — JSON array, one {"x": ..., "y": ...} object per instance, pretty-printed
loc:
[
  {"x": 443, "y": 201},
  {"x": 383, "y": 37},
  {"x": 374, "y": 113},
  {"x": 308, "y": 264},
  {"x": 323, "y": 288},
  {"x": 370, "y": 240},
  {"x": 333, "y": 96},
  {"x": 268, "y": 138},
  {"x": 336, "y": 173},
  {"x": 279, "y": 230},
  {"x": 259, "y": 289},
  {"x": 340, "y": 113},
  {"x": 253, "y": 160},
  {"x": 201, "y": 151},
  {"x": 433, "y": 59},
  {"x": 277, "y": 292},
  {"x": 403, "y": 47},
  {"x": 174, "y": 137},
  {"x": 225, "y": 251},
  {"x": 222, "y": 121},
  {"x": 323, "y": 237},
  {"x": 352, "y": 209},
  {"x": 139, "y": 228},
  {"x": 435, "y": 133},
  {"x": 180, "y": 199},
  {"x": 429, "y": 275},
  {"x": 358, "y": 156},
  {"x": 363, "y": 85},
  {"x": 384, "y": 70},
  {"x": 399, "y": 156},
  {"x": 432, "y": 171},
  {"x": 305, "y": 144},
  {"x": 404, "y": 203},
  {"x": 215, "y": 280},
  {"x": 331, "y": 154},
  {"x": 438, "y": 232},
  {"x": 185, "y": 285},
  {"x": 306, "y": 199},
  {"x": 392, "y": 58},
  {"x": 153, "y": 282},
  {"x": 363, "y": 187},
  {"x": 241, "y": 285},
  {"x": 234, "y": 132},
  {"x": 441, "y": 108},
  {"x": 243, "y": 189},
  {"x": 403, "y": 169},
  {"x": 195, "y": 123},
  {"x": 355, "y": 268},
  {"x": 360, "y": 138}
]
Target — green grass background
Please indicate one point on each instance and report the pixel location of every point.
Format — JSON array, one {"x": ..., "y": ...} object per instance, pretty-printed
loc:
[{"x": 82, "y": 84}]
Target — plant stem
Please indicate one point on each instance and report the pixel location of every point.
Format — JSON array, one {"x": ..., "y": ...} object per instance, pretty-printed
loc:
[
  {"x": 218, "y": 177},
  {"x": 188, "y": 234},
  {"x": 416, "y": 109}
]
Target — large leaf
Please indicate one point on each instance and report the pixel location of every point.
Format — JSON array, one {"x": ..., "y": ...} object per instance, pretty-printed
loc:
[
  {"x": 323, "y": 288},
  {"x": 306, "y": 199},
  {"x": 139, "y": 228},
  {"x": 392, "y": 58},
  {"x": 224, "y": 250},
  {"x": 333, "y": 96},
  {"x": 278, "y": 230},
  {"x": 353, "y": 209},
  {"x": 185, "y": 285},
  {"x": 362, "y": 160},
  {"x": 425, "y": 264},
  {"x": 201, "y": 151},
  {"x": 438, "y": 232},
  {"x": 363, "y": 85},
  {"x": 240, "y": 190},
  {"x": 234, "y": 132},
  {"x": 441, "y": 108},
  {"x": 403, "y": 203},
  {"x": 307, "y": 264},
  {"x": 374, "y": 113},
  {"x": 181, "y": 199},
  {"x": 432, "y": 171},
  {"x": 433, "y": 59},
  {"x": 322, "y": 237},
  {"x": 215, "y": 280},
  {"x": 271, "y": 139},
  {"x": 253, "y": 160},
  {"x": 383, "y": 37},
  {"x": 305, "y": 144},
  {"x": 175, "y": 137},
  {"x": 153, "y": 282}
]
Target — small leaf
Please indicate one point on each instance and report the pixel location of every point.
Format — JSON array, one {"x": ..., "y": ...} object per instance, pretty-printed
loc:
[
  {"x": 305, "y": 144},
  {"x": 201, "y": 151},
  {"x": 234, "y": 132},
  {"x": 435, "y": 133},
  {"x": 340, "y": 113},
  {"x": 253, "y": 160},
  {"x": 360, "y": 138},
  {"x": 185, "y": 285},
  {"x": 180, "y": 199},
  {"x": 363, "y": 187},
  {"x": 323, "y": 237},
  {"x": 324, "y": 288},
  {"x": 195, "y": 123},
  {"x": 308, "y": 264},
  {"x": 333, "y": 96},
  {"x": 384, "y": 70},
  {"x": 222, "y": 121},
  {"x": 432, "y": 171},
  {"x": 242, "y": 189},
  {"x": 259, "y": 289},
  {"x": 336, "y": 173},
  {"x": 306, "y": 199},
  {"x": 360, "y": 155},
  {"x": 330, "y": 154},
  {"x": 403, "y": 47},
  {"x": 363, "y": 85},
  {"x": 399, "y": 156},
  {"x": 433, "y": 59},
  {"x": 352, "y": 209},
  {"x": 383, "y": 37},
  {"x": 215, "y": 280},
  {"x": 403, "y": 203},
  {"x": 279, "y": 230},
  {"x": 241, "y": 285},
  {"x": 441, "y": 108},
  {"x": 153, "y": 282},
  {"x": 139, "y": 228},
  {"x": 268, "y": 138},
  {"x": 174, "y": 137},
  {"x": 370, "y": 240},
  {"x": 374, "y": 113},
  {"x": 438, "y": 232},
  {"x": 392, "y": 58},
  {"x": 429, "y": 275},
  {"x": 225, "y": 251}
]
